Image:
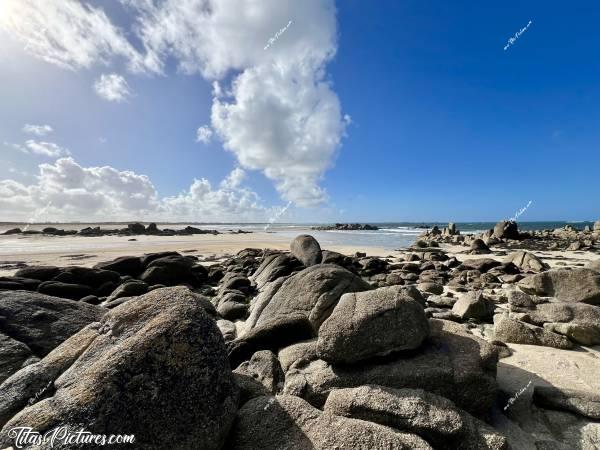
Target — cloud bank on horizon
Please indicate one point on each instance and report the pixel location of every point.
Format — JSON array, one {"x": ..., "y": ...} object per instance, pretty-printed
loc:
[{"x": 275, "y": 110}]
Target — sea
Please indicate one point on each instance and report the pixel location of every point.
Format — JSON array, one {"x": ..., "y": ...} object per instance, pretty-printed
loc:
[{"x": 391, "y": 235}]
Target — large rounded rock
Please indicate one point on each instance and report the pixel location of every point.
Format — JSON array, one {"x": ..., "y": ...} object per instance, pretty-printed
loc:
[
  {"x": 510, "y": 330},
  {"x": 171, "y": 271},
  {"x": 506, "y": 230},
  {"x": 453, "y": 364},
  {"x": 372, "y": 323},
  {"x": 273, "y": 267},
  {"x": 306, "y": 249},
  {"x": 566, "y": 285},
  {"x": 64, "y": 290},
  {"x": 434, "y": 418},
  {"x": 42, "y": 273},
  {"x": 43, "y": 322},
  {"x": 124, "y": 265},
  {"x": 288, "y": 422},
  {"x": 478, "y": 247},
  {"x": 473, "y": 305},
  {"x": 155, "y": 367},
  {"x": 314, "y": 292},
  {"x": 526, "y": 261}
]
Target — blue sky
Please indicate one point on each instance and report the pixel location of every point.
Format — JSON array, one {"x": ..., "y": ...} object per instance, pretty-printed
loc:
[{"x": 418, "y": 113}]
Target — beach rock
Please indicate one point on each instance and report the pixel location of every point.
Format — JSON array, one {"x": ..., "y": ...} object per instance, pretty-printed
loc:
[
  {"x": 233, "y": 310},
  {"x": 480, "y": 264},
  {"x": 64, "y": 290},
  {"x": 12, "y": 231},
  {"x": 314, "y": 292},
  {"x": 452, "y": 363},
  {"x": 288, "y": 422},
  {"x": 129, "y": 289},
  {"x": 19, "y": 283},
  {"x": 136, "y": 228},
  {"x": 171, "y": 271},
  {"x": 593, "y": 265},
  {"x": 273, "y": 267},
  {"x": 89, "y": 277},
  {"x": 144, "y": 370},
  {"x": 263, "y": 298},
  {"x": 576, "y": 313},
  {"x": 306, "y": 249},
  {"x": 580, "y": 402},
  {"x": 372, "y": 323},
  {"x": 506, "y": 230},
  {"x": 227, "y": 329},
  {"x": 277, "y": 333},
  {"x": 526, "y": 261},
  {"x": 513, "y": 331},
  {"x": 14, "y": 355},
  {"x": 580, "y": 334},
  {"x": 434, "y": 418},
  {"x": 42, "y": 273},
  {"x": 42, "y": 322},
  {"x": 264, "y": 367},
  {"x": 300, "y": 353},
  {"x": 473, "y": 305},
  {"x": 430, "y": 287},
  {"x": 478, "y": 247},
  {"x": 125, "y": 265},
  {"x": 149, "y": 257},
  {"x": 577, "y": 285}
]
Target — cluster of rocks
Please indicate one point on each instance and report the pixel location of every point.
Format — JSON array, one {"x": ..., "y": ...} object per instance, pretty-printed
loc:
[
  {"x": 506, "y": 235},
  {"x": 302, "y": 349},
  {"x": 347, "y": 227},
  {"x": 133, "y": 229}
]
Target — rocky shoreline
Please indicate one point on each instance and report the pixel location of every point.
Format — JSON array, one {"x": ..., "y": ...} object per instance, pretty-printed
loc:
[
  {"x": 309, "y": 348},
  {"x": 133, "y": 229}
]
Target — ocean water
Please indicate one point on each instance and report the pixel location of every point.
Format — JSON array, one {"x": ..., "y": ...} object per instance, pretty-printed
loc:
[{"x": 390, "y": 236}]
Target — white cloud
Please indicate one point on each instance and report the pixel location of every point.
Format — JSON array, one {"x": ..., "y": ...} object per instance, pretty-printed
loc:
[
  {"x": 69, "y": 33},
  {"x": 38, "y": 130},
  {"x": 112, "y": 87},
  {"x": 84, "y": 193},
  {"x": 49, "y": 149},
  {"x": 204, "y": 134},
  {"x": 279, "y": 113}
]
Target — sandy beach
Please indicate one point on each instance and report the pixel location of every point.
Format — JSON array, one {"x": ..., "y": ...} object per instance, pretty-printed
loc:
[{"x": 87, "y": 251}]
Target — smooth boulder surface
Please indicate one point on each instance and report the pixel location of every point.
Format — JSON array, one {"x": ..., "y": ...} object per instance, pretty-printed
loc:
[
  {"x": 274, "y": 267},
  {"x": 579, "y": 402},
  {"x": 372, "y": 323},
  {"x": 42, "y": 273},
  {"x": 155, "y": 367},
  {"x": 565, "y": 285},
  {"x": 124, "y": 265},
  {"x": 288, "y": 422},
  {"x": 14, "y": 355},
  {"x": 265, "y": 368},
  {"x": 306, "y": 249},
  {"x": 473, "y": 305},
  {"x": 434, "y": 418},
  {"x": 506, "y": 229},
  {"x": 514, "y": 331},
  {"x": 453, "y": 364},
  {"x": 43, "y": 322},
  {"x": 314, "y": 292},
  {"x": 526, "y": 261}
]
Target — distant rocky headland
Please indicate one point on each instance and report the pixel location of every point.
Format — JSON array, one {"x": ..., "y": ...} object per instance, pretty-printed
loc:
[
  {"x": 346, "y": 227},
  {"x": 133, "y": 229}
]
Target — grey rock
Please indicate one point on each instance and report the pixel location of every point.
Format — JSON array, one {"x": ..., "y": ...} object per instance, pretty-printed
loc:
[
  {"x": 473, "y": 305},
  {"x": 129, "y": 289},
  {"x": 42, "y": 273},
  {"x": 480, "y": 264},
  {"x": 124, "y": 265},
  {"x": 453, "y": 364},
  {"x": 432, "y": 288},
  {"x": 580, "y": 402},
  {"x": 227, "y": 329},
  {"x": 298, "y": 354},
  {"x": 14, "y": 355},
  {"x": 287, "y": 422},
  {"x": 144, "y": 369},
  {"x": 306, "y": 249},
  {"x": 566, "y": 285},
  {"x": 478, "y": 247},
  {"x": 526, "y": 261},
  {"x": 580, "y": 334},
  {"x": 434, "y": 418},
  {"x": 43, "y": 322},
  {"x": 64, "y": 290},
  {"x": 516, "y": 332},
  {"x": 273, "y": 267},
  {"x": 372, "y": 323},
  {"x": 506, "y": 230},
  {"x": 314, "y": 292},
  {"x": 265, "y": 368}
]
